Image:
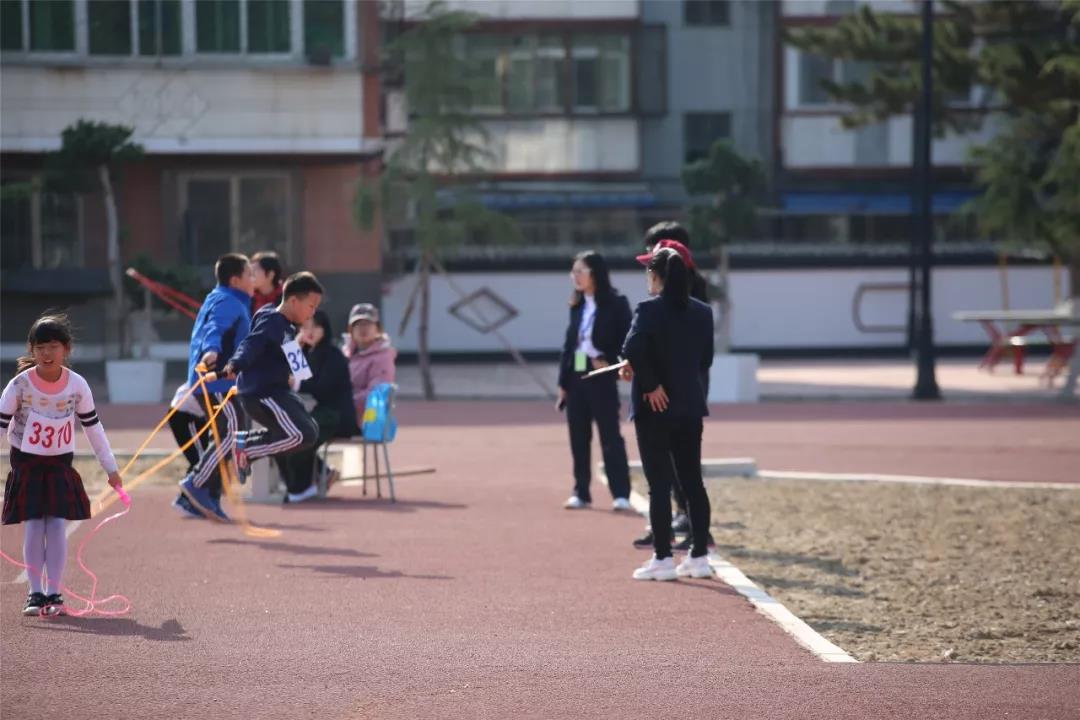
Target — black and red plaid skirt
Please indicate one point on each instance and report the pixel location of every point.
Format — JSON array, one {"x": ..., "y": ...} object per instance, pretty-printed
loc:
[{"x": 43, "y": 486}]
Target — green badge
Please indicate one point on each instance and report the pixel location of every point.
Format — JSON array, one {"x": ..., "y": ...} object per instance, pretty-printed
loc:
[{"x": 580, "y": 361}]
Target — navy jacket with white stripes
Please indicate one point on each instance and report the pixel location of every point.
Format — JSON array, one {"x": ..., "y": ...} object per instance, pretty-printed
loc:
[{"x": 261, "y": 366}]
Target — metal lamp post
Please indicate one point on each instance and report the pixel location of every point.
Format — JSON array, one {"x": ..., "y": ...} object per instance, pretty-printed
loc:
[{"x": 926, "y": 387}]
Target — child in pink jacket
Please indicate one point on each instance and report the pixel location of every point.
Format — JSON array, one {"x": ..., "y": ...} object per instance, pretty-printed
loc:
[{"x": 371, "y": 356}]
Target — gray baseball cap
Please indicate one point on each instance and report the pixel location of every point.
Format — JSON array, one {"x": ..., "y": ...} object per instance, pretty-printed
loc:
[{"x": 363, "y": 311}]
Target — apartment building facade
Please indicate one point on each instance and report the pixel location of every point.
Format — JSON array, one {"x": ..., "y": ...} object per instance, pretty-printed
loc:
[{"x": 258, "y": 118}]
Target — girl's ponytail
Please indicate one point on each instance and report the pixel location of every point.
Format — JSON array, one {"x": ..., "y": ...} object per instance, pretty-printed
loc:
[{"x": 669, "y": 266}]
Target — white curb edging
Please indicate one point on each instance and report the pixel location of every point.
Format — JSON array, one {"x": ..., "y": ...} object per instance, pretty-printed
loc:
[
  {"x": 910, "y": 480},
  {"x": 762, "y": 601}
]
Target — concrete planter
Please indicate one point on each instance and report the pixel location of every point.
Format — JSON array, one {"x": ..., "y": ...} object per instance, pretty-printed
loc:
[
  {"x": 733, "y": 379},
  {"x": 135, "y": 381}
]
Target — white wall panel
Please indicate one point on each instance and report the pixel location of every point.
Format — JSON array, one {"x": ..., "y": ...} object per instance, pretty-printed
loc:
[
  {"x": 187, "y": 110},
  {"x": 773, "y": 308},
  {"x": 537, "y": 9}
]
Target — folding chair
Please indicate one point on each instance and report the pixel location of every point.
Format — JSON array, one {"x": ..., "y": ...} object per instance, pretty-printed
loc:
[{"x": 366, "y": 440}]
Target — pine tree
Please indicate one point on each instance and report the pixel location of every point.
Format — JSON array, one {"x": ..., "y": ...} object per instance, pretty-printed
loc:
[
  {"x": 424, "y": 181},
  {"x": 1023, "y": 60}
]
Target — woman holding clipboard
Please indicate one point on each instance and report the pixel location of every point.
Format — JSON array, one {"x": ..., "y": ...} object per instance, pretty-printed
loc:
[
  {"x": 669, "y": 350},
  {"x": 599, "y": 320}
]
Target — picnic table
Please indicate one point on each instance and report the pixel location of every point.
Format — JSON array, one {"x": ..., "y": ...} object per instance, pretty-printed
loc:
[{"x": 1014, "y": 330}]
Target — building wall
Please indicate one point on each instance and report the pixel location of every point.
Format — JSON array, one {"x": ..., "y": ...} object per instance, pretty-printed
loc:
[
  {"x": 184, "y": 111},
  {"x": 773, "y": 309},
  {"x": 536, "y": 9},
  {"x": 711, "y": 69}
]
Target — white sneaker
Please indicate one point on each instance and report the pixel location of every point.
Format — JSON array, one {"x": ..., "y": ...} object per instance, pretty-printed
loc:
[
  {"x": 575, "y": 503},
  {"x": 695, "y": 567},
  {"x": 657, "y": 570},
  {"x": 622, "y": 505},
  {"x": 311, "y": 492}
]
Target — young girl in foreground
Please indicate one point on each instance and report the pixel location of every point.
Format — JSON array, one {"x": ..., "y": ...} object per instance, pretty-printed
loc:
[{"x": 38, "y": 409}]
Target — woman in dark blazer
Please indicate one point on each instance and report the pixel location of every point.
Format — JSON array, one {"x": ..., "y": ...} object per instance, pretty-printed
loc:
[
  {"x": 669, "y": 350},
  {"x": 599, "y": 320},
  {"x": 333, "y": 413}
]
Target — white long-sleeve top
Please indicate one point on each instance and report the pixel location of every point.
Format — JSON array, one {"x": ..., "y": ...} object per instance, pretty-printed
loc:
[
  {"x": 588, "y": 319},
  {"x": 40, "y": 417}
]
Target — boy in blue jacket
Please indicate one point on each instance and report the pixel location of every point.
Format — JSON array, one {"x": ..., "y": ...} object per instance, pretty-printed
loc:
[
  {"x": 269, "y": 365},
  {"x": 223, "y": 322}
]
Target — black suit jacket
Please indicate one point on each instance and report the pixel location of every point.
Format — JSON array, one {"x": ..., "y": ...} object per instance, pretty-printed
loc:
[
  {"x": 673, "y": 347},
  {"x": 609, "y": 330}
]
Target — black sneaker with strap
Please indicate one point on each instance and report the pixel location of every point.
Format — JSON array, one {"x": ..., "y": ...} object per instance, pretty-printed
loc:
[
  {"x": 645, "y": 541},
  {"x": 54, "y": 605},
  {"x": 34, "y": 602}
]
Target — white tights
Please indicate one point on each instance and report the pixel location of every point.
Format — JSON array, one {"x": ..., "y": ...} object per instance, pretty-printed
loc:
[{"x": 45, "y": 549}]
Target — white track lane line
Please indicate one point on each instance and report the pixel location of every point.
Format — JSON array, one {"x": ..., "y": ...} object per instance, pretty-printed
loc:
[{"x": 764, "y": 603}]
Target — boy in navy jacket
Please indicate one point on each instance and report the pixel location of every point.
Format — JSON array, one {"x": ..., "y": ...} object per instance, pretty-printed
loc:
[
  {"x": 223, "y": 322},
  {"x": 269, "y": 365}
]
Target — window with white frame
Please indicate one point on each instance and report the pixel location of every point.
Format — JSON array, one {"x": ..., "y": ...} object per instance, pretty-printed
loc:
[
  {"x": 39, "y": 230},
  {"x": 234, "y": 212},
  {"x": 162, "y": 28},
  {"x": 550, "y": 72}
]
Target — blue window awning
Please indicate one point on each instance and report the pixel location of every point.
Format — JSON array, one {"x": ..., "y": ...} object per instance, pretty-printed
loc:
[
  {"x": 840, "y": 203},
  {"x": 549, "y": 200}
]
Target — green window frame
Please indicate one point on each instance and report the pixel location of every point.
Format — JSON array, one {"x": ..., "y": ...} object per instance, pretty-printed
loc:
[
  {"x": 11, "y": 25},
  {"x": 324, "y": 27},
  {"x": 217, "y": 26},
  {"x": 268, "y": 26},
  {"x": 167, "y": 13},
  {"x": 109, "y": 27},
  {"x": 52, "y": 26}
]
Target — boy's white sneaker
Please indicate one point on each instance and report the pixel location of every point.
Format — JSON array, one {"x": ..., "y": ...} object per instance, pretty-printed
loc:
[
  {"x": 695, "y": 567},
  {"x": 311, "y": 492},
  {"x": 575, "y": 503},
  {"x": 622, "y": 505},
  {"x": 655, "y": 569}
]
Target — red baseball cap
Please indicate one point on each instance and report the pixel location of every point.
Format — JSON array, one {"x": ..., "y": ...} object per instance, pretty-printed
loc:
[{"x": 675, "y": 245}]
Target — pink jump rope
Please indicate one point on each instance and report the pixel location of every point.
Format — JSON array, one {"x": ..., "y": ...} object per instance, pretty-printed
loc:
[{"x": 93, "y": 603}]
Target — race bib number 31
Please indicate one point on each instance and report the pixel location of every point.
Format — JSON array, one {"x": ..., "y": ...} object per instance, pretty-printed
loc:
[
  {"x": 48, "y": 436},
  {"x": 297, "y": 362}
]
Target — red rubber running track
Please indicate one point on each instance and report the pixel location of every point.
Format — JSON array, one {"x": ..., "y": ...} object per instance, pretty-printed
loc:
[{"x": 475, "y": 596}]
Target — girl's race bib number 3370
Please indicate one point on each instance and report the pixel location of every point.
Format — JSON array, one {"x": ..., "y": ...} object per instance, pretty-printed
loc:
[
  {"x": 297, "y": 362},
  {"x": 48, "y": 436}
]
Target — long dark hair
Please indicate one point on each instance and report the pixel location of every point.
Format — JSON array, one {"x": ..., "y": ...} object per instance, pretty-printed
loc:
[
  {"x": 668, "y": 265},
  {"x": 47, "y": 328},
  {"x": 270, "y": 263},
  {"x": 597, "y": 265},
  {"x": 322, "y": 319}
]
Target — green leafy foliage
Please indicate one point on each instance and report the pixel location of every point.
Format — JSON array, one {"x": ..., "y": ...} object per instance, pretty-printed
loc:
[
  {"x": 86, "y": 146},
  {"x": 726, "y": 190},
  {"x": 424, "y": 183},
  {"x": 1023, "y": 59}
]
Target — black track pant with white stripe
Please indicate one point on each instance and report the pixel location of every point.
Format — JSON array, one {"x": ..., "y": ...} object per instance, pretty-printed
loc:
[
  {"x": 287, "y": 427},
  {"x": 184, "y": 425},
  {"x": 207, "y": 472}
]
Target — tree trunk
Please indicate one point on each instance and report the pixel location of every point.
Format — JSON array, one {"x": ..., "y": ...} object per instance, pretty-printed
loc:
[
  {"x": 425, "y": 312},
  {"x": 116, "y": 276},
  {"x": 1074, "y": 285},
  {"x": 722, "y": 339}
]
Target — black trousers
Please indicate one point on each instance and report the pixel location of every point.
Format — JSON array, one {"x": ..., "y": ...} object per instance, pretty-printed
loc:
[
  {"x": 670, "y": 451},
  {"x": 207, "y": 471},
  {"x": 596, "y": 400},
  {"x": 298, "y": 468},
  {"x": 184, "y": 425},
  {"x": 287, "y": 426}
]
